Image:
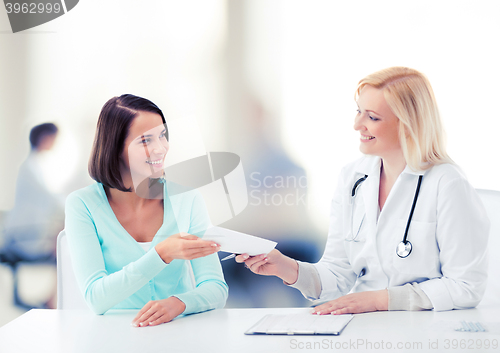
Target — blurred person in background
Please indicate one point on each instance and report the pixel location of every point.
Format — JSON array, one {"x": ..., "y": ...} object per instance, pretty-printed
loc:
[
  {"x": 278, "y": 199},
  {"x": 32, "y": 225},
  {"x": 385, "y": 250}
]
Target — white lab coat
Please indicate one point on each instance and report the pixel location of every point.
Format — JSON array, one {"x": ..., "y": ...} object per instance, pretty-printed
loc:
[{"x": 449, "y": 233}]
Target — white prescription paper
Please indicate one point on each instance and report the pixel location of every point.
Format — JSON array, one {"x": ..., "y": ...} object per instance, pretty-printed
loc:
[{"x": 239, "y": 243}]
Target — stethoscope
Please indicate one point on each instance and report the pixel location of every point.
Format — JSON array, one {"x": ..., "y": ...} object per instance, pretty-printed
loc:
[{"x": 404, "y": 248}]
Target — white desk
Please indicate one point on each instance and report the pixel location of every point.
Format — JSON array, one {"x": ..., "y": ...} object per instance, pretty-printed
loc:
[{"x": 222, "y": 331}]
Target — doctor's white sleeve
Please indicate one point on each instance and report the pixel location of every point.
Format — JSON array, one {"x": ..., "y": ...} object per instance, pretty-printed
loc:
[
  {"x": 407, "y": 297},
  {"x": 308, "y": 281},
  {"x": 462, "y": 236}
]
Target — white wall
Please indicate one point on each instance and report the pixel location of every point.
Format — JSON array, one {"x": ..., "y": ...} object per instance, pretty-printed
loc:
[
  {"x": 170, "y": 52},
  {"x": 302, "y": 59},
  {"x": 328, "y": 46}
]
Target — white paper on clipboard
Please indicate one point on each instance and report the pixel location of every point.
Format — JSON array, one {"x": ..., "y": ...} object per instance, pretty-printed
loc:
[
  {"x": 300, "y": 324},
  {"x": 238, "y": 243}
]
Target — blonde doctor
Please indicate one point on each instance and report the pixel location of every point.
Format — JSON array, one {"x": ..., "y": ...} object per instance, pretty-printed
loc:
[{"x": 407, "y": 231}]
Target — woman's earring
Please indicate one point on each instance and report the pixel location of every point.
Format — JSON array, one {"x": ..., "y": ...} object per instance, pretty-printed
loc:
[{"x": 162, "y": 178}]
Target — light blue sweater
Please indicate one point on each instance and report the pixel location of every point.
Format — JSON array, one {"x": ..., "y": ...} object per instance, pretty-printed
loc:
[{"x": 112, "y": 269}]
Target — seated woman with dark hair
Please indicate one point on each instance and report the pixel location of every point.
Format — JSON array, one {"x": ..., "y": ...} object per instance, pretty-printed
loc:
[{"x": 140, "y": 250}]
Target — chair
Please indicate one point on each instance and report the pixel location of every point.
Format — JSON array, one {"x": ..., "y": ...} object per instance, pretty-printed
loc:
[
  {"x": 491, "y": 201},
  {"x": 69, "y": 295},
  {"x": 14, "y": 262}
]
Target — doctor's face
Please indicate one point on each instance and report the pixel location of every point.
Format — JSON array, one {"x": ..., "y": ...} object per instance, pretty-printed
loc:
[
  {"x": 145, "y": 147},
  {"x": 377, "y": 124}
]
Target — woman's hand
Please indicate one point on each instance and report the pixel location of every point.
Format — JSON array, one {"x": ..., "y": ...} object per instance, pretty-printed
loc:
[
  {"x": 355, "y": 303},
  {"x": 272, "y": 264},
  {"x": 158, "y": 312},
  {"x": 185, "y": 246}
]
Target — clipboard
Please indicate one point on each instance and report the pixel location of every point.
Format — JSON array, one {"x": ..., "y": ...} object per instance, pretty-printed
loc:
[{"x": 300, "y": 324}]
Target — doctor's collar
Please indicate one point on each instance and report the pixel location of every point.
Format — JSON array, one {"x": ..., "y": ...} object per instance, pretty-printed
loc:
[
  {"x": 408, "y": 170},
  {"x": 371, "y": 164},
  {"x": 368, "y": 164}
]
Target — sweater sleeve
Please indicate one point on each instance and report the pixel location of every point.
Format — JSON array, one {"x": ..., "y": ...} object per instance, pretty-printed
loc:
[
  {"x": 100, "y": 289},
  {"x": 210, "y": 290}
]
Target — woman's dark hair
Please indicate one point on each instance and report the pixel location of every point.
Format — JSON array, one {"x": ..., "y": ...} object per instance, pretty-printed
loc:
[
  {"x": 112, "y": 130},
  {"x": 39, "y": 132}
]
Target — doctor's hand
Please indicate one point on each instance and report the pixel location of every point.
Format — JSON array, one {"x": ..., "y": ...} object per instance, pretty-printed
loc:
[
  {"x": 186, "y": 247},
  {"x": 355, "y": 303},
  {"x": 158, "y": 312},
  {"x": 272, "y": 264}
]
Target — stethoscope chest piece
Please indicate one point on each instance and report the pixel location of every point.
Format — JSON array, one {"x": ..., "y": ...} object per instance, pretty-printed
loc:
[{"x": 403, "y": 249}]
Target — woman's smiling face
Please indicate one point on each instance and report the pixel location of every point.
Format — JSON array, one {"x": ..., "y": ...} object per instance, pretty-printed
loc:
[
  {"x": 145, "y": 147},
  {"x": 377, "y": 124}
]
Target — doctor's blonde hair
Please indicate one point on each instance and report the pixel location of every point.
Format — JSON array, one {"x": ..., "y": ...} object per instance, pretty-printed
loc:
[{"x": 410, "y": 97}]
